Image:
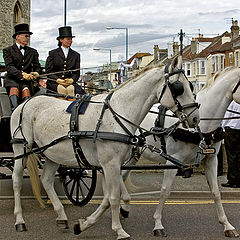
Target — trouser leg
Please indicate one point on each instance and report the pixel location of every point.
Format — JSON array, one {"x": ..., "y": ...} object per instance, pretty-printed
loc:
[
  {"x": 25, "y": 94},
  {"x": 61, "y": 89},
  {"x": 232, "y": 150},
  {"x": 70, "y": 90},
  {"x": 13, "y": 96},
  {"x": 220, "y": 161}
]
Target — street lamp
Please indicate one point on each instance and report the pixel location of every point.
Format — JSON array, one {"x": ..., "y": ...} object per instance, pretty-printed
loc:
[
  {"x": 110, "y": 59},
  {"x": 126, "y": 29},
  {"x": 65, "y": 12}
]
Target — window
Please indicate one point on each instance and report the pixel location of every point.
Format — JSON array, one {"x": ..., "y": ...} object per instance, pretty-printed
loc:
[
  {"x": 237, "y": 59},
  {"x": 17, "y": 16},
  {"x": 230, "y": 59},
  {"x": 222, "y": 63},
  {"x": 188, "y": 69},
  {"x": 213, "y": 64},
  {"x": 216, "y": 63},
  {"x": 202, "y": 64}
]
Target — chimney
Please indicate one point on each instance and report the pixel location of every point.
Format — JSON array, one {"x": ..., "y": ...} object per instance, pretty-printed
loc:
[
  {"x": 193, "y": 46},
  {"x": 175, "y": 48},
  {"x": 234, "y": 30},
  {"x": 156, "y": 50}
]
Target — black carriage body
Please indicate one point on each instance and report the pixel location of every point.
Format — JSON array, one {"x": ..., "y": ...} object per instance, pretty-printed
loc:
[{"x": 5, "y": 115}]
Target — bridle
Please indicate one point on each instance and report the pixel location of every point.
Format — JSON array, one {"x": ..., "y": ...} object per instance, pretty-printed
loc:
[
  {"x": 236, "y": 87},
  {"x": 176, "y": 88}
]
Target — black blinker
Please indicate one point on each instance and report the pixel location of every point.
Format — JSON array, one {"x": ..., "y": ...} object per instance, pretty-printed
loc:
[{"x": 176, "y": 88}]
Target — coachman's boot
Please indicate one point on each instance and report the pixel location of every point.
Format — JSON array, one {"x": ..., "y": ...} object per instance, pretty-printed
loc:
[
  {"x": 13, "y": 96},
  {"x": 25, "y": 94}
]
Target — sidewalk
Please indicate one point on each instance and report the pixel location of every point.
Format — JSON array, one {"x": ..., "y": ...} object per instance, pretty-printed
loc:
[
  {"x": 147, "y": 185},
  {"x": 195, "y": 187}
]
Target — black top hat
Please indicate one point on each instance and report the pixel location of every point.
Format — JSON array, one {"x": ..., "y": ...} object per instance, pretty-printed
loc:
[
  {"x": 20, "y": 29},
  {"x": 65, "y": 32}
]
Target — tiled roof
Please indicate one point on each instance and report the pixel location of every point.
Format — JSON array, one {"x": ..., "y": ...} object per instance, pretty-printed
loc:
[
  {"x": 216, "y": 44},
  {"x": 137, "y": 55},
  {"x": 222, "y": 48}
]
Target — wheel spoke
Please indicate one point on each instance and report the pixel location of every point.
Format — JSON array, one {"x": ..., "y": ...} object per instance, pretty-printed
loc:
[
  {"x": 85, "y": 184},
  {"x": 72, "y": 188}
]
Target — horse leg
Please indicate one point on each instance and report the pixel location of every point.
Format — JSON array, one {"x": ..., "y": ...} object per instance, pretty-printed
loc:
[
  {"x": 111, "y": 196},
  {"x": 113, "y": 179},
  {"x": 169, "y": 176},
  {"x": 17, "y": 178},
  {"x": 47, "y": 179},
  {"x": 211, "y": 176},
  {"x": 125, "y": 208},
  {"x": 94, "y": 217}
]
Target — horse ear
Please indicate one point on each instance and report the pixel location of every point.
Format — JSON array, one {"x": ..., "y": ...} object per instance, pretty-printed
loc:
[{"x": 176, "y": 63}]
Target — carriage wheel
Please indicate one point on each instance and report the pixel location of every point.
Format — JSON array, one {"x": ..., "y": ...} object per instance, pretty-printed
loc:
[{"x": 79, "y": 184}]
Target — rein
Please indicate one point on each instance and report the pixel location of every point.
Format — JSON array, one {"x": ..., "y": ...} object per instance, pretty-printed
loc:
[{"x": 203, "y": 119}]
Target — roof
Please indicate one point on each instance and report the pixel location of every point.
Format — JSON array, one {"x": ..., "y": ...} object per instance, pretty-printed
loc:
[
  {"x": 223, "y": 48},
  {"x": 137, "y": 55},
  {"x": 216, "y": 44}
]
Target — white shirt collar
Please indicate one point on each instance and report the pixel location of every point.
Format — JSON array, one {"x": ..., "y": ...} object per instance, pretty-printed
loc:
[
  {"x": 65, "y": 51},
  {"x": 22, "y": 50}
]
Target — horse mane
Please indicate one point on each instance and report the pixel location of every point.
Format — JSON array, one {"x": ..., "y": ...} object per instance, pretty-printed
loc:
[
  {"x": 138, "y": 73},
  {"x": 218, "y": 74}
]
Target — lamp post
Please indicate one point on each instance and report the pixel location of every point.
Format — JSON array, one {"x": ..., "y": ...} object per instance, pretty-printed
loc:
[
  {"x": 126, "y": 41},
  {"x": 110, "y": 59},
  {"x": 65, "y": 12}
]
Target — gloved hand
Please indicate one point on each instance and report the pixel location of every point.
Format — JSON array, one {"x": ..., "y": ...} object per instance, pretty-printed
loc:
[
  {"x": 34, "y": 75},
  {"x": 27, "y": 76},
  {"x": 62, "y": 82},
  {"x": 69, "y": 81}
]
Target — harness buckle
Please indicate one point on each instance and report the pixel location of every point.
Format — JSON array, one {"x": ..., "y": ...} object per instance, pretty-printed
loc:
[{"x": 134, "y": 140}]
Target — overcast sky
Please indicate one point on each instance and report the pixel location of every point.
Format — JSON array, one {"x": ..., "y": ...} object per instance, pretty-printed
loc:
[{"x": 148, "y": 22}]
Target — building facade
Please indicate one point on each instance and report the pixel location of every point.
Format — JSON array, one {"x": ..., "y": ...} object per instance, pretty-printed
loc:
[{"x": 12, "y": 12}]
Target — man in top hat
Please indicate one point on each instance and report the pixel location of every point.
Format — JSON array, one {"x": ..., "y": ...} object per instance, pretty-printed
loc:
[
  {"x": 22, "y": 65},
  {"x": 64, "y": 59}
]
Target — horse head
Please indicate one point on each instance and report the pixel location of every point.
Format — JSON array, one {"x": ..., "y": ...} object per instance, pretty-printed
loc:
[
  {"x": 236, "y": 91},
  {"x": 176, "y": 94}
]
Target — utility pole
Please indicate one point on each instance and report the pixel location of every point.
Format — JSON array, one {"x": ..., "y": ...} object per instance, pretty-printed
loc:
[{"x": 181, "y": 35}]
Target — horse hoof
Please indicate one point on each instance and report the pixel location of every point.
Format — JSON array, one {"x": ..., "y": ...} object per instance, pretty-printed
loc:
[
  {"x": 77, "y": 229},
  {"x": 159, "y": 233},
  {"x": 21, "y": 227},
  {"x": 231, "y": 233},
  {"x": 124, "y": 213},
  {"x": 62, "y": 224}
]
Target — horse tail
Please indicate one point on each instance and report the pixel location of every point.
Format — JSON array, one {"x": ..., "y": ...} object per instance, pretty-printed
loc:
[
  {"x": 32, "y": 167},
  {"x": 131, "y": 187}
]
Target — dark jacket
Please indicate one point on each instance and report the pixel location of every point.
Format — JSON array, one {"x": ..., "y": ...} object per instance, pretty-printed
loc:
[
  {"x": 16, "y": 63},
  {"x": 56, "y": 62}
]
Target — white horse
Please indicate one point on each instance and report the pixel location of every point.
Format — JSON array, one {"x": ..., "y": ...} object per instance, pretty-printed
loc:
[
  {"x": 44, "y": 119},
  {"x": 214, "y": 100}
]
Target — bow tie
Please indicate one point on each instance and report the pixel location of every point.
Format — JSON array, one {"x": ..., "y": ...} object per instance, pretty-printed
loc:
[{"x": 23, "y": 48}]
